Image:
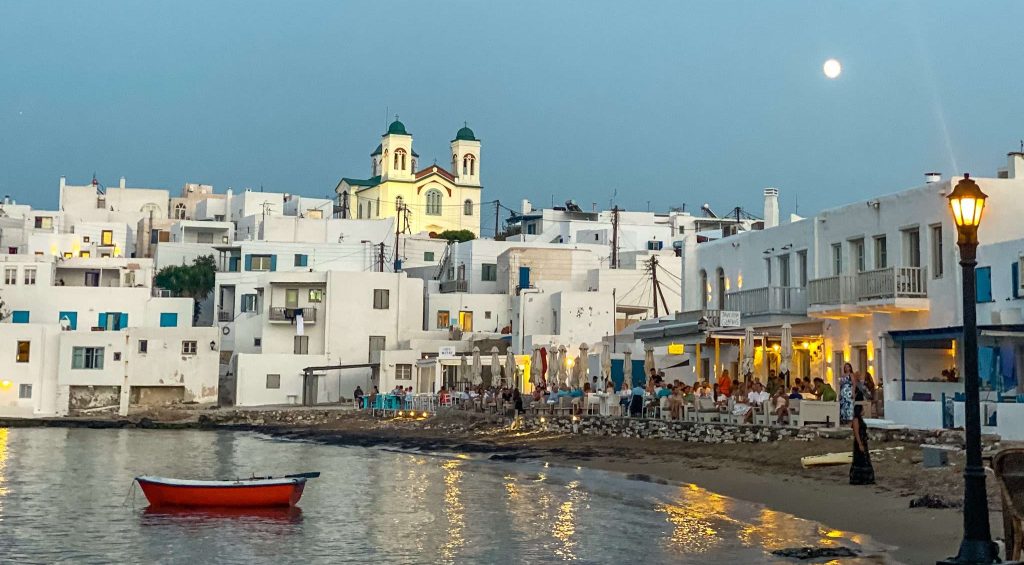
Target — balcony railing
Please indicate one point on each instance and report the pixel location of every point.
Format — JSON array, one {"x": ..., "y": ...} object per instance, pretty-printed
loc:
[
  {"x": 892, "y": 282},
  {"x": 768, "y": 300},
  {"x": 454, "y": 286},
  {"x": 223, "y": 316},
  {"x": 879, "y": 284},
  {"x": 288, "y": 314},
  {"x": 839, "y": 289}
]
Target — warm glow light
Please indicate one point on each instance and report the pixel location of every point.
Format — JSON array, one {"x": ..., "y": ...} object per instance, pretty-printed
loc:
[
  {"x": 739, "y": 281},
  {"x": 425, "y": 414},
  {"x": 805, "y": 345},
  {"x": 775, "y": 347},
  {"x": 569, "y": 362},
  {"x": 832, "y": 68},
  {"x": 400, "y": 413},
  {"x": 543, "y": 419},
  {"x": 967, "y": 202},
  {"x": 5, "y": 384},
  {"x": 727, "y": 283}
]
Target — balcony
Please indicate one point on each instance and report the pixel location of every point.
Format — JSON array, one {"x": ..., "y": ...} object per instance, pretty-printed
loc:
[
  {"x": 892, "y": 289},
  {"x": 785, "y": 300},
  {"x": 278, "y": 314},
  {"x": 454, "y": 286}
]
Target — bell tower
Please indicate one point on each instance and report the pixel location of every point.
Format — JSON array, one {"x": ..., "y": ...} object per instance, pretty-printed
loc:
[
  {"x": 466, "y": 157},
  {"x": 396, "y": 156}
]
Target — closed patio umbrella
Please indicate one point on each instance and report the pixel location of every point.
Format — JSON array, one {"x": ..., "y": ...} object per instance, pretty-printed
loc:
[
  {"x": 563, "y": 373},
  {"x": 606, "y": 363},
  {"x": 478, "y": 367},
  {"x": 463, "y": 370},
  {"x": 747, "y": 368},
  {"x": 583, "y": 362},
  {"x": 495, "y": 368},
  {"x": 551, "y": 377},
  {"x": 786, "y": 357},
  {"x": 536, "y": 378},
  {"x": 648, "y": 362},
  {"x": 627, "y": 369},
  {"x": 510, "y": 368}
]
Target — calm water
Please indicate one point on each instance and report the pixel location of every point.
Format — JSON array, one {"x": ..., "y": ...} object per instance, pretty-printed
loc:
[{"x": 63, "y": 499}]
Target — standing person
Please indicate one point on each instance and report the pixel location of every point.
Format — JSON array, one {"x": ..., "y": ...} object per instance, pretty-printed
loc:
[
  {"x": 725, "y": 383},
  {"x": 357, "y": 396},
  {"x": 846, "y": 394},
  {"x": 517, "y": 400},
  {"x": 861, "y": 472}
]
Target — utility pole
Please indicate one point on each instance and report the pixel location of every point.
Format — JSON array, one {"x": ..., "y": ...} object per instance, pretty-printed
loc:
[
  {"x": 398, "y": 230},
  {"x": 615, "y": 237},
  {"x": 344, "y": 205},
  {"x": 654, "y": 284},
  {"x": 497, "y": 209},
  {"x": 380, "y": 258}
]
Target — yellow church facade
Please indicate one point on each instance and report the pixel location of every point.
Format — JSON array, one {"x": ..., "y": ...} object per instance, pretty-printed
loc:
[{"x": 431, "y": 199}]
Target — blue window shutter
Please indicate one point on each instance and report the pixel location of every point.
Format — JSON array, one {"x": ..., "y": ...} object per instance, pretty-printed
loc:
[
  {"x": 524, "y": 277},
  {"x": 1015, "y": 279},
  {"x": 984, "y": 284},
  {"x": 102, "y": 322},
  {"x": 168, "y": 320},
  {"x": 273, "y": 262},
  {"x": 248, "y": 262},
  {"x": 123, "y": 320},
  {"x": 19, "y": 317}
]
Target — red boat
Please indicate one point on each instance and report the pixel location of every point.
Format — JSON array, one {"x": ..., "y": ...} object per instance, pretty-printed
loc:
[{"x": 257, "y": 492}]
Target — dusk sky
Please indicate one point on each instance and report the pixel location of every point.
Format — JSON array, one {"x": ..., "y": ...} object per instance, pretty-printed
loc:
[{"x": 668, "y": 102}]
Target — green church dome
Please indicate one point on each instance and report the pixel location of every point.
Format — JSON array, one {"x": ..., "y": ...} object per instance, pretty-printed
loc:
[
  {"x": 397, "y": 128},
  {"x": 466, "y": 134}
]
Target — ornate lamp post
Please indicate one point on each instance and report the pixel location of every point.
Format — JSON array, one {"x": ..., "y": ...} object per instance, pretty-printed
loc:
[{"x": 967, "y": 202}]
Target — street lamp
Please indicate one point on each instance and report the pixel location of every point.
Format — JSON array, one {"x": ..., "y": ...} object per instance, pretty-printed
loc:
[{"x": 967, "y": 202}]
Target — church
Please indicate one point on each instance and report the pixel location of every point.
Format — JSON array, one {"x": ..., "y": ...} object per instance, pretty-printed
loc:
[{"x": 431, "y": 199}]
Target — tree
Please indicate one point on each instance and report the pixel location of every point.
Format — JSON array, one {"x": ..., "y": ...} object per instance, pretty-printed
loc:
[
  {"x": 456, "y": 235},
  {"x": 194, "y": 281}
]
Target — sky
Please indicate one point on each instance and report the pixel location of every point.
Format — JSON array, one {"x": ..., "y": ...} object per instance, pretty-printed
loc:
[{"x": 638, "y": 103}]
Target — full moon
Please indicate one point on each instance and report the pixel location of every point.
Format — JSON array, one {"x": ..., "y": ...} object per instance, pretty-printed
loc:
[{"x": 832, "y": 68}]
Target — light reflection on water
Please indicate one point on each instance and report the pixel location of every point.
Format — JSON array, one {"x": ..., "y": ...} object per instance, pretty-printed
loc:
[{"x": 61, "y": 494}]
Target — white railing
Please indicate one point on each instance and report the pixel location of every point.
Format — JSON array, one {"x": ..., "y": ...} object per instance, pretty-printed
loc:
[
  {"x": 892, "y": 282},
  {"x": 839, "y": 289},
  {"x": 769, "y": 300}
]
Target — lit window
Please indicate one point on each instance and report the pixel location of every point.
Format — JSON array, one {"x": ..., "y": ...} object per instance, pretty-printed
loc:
[
  {"x": 23, "y": 351},
  {"x": 443, "y": 319},
  {"x": 316, "y": 295},
  {"x": 107, "y": 237}
]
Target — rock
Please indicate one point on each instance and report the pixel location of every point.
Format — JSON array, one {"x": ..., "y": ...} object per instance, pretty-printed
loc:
[
  {"x": 934, "y": 501},
  {"x": 814, "y": 552}
]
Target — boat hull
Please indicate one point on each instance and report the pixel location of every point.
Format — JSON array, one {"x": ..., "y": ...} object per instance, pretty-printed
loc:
[{"x": 222, "y": 494}]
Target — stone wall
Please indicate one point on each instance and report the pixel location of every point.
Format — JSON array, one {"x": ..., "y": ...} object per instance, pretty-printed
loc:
[{"x": 662, "y": 429}]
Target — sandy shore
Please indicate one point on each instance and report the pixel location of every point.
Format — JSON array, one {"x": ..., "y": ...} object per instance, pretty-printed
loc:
[{"x": 765, "y": 473}]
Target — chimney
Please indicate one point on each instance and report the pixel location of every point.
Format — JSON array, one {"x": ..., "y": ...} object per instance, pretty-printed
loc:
[
  {"x": 525, "y": 207},
  {"x": 771, "y": 207},
  {"x": 121, "y": 184},
  {"x": 932, "y": 178},
  {"x": 1015, "y": 168}
]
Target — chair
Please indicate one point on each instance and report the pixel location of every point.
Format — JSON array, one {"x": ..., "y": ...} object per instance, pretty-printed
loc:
[
  {"x": 593, "y": 404},
  {"x": 819, "y": 412},
  {"x": 794, "y": 412},
  {"x": 1008, "y": 465},
  {"x": 665, "y": 411},
  {"x": 636, "y": 406},
  {"x": 707, "y": 411}
]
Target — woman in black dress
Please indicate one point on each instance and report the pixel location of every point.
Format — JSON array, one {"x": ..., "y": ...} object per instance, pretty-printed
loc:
[{"x": 861, "y": 472}]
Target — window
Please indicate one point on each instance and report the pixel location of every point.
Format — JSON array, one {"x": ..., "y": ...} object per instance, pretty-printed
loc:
[
  {"x": 378, "y": 207},
  {"x": 291, "y": 298},
  {"x": 10, "y": 275},
  {"x": 881, "y": 252},
  {"x": 837, "y": 259},
  {"x": 984, "y": 284},
  {"x": 359, "y": 211},
  {"x": 301, "y": 260},
  {"x": 143, "y": 346},
  {"x": 112, "y": 321},
  {"x": 260, "y": 263},
  {"x": 68, "y": 320},
  {"x": 720, "y": 275},
  {"x": 315, "y": 214},
  {"x": 467, "y": 208},
  {"x": 466, "y": 320},
  {"x": 85, "y": 239},
  {"x": 301, "y": 345},
  {"x": 487, "y": 314},
  {"x": 857, "y": 252},
  {"x": 117, "y": 356},
  {"x": 433, "y": 202},
  {"x": 188, "y": 347},
  {"x": 168, "y": 320},
  {"x": 936, "y": 237},
  {"x": 248, "y": 303},
  {"x": 179, "y": 211},
  {"x": 316, "y": 295},
  {"x": 204, "y": 237},
  {"x": 85, "y": 254},
  {"x": 489, "y": 272},
  {"x": 469, "y": 165},
  {"x": 273, "y": 381},
  {"x": 768, "y": 270},
  {"x": 443, "y": 319},
  {"x": 30, "y": 275},
  {"x": 428, "y": 255},
  {"x": 377, "y": 344},
  {"x": 403, "y": 372},
  {"x": 24, "y": 391},
  {"x": 19, "y": 317},
  {"x": 86, "y": 357},
  {"x": 912, "y": 248},
  {"x": 23, "y": 351},
  {"x": 784, "y": 270},
  {"x": 107, "y": 237},
  {"x": 801, "y": 262},
  {"x": 92, "y": 278},
  {"x": 44, "y": 222},
  {"x": 381, "y": 297},
  {"x": 400, "y": 159},
  {"x": 68, "y": 255},
  {"x": 705, "y": 295}
]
